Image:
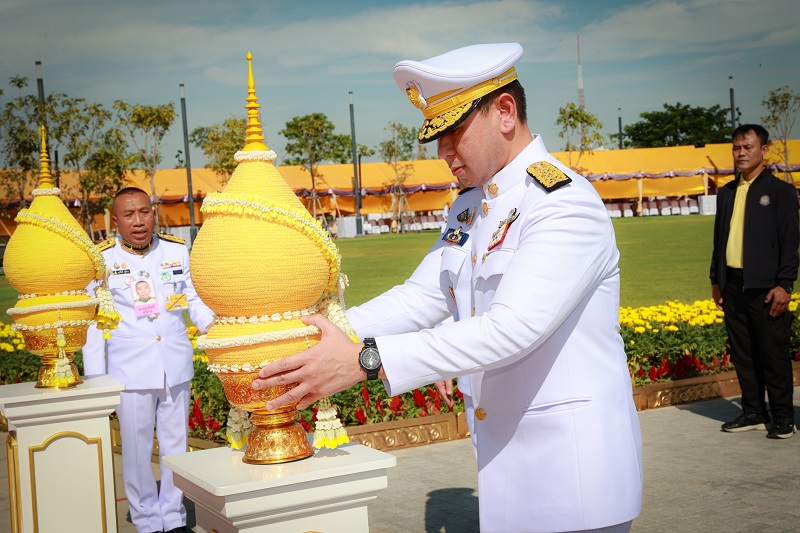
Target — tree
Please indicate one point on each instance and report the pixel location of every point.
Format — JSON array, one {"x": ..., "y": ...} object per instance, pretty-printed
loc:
[
  {"x": 146, "y": 127},
  {"x": 312, "y": 141},
  {"x": 97, "y": 154},
  {"x": 579, "y": 127},
  {"x": 782, "y": 105},
  {"x": 19, "y": 141},
  {"x": 679, "y": 125},
  {"x": 219, "y": 143},
  {"x": 397, "y": 151}
]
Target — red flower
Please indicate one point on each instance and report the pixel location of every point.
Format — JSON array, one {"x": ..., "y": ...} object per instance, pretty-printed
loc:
[
  {"x": 361, "y": 416},
  {"x": 437, "y": 400},
  {"x": 457, "y": 392},
  {"x": 419, "y": 399},
  {"x": 424, "y": 412},
  {"x": 314, "y": 411},
  {"x": 197, "y": 415},
  {"x": 365, "y": 394},
  {"x": 396, "y": 405},
  {"x": 379, "y": 406},
  {"x": 640, "y": 373},
  {"x": 213, "y": 425},
  {"x": 698, "y": 365},
  {"x": 305, "y": 424},
  {"x": 653, "y": 374}
]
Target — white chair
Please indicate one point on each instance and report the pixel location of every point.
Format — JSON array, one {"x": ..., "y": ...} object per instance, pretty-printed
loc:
[
  {"x": 674, "y": 207},
  {"x": 684, "y": 205},
  {"x": 626, "y": 210},
  {"x": 664, "y": 208},
  {"x": 693, "y": 207}
]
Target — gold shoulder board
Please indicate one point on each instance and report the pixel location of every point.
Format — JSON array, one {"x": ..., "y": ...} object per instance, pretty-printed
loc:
[
  {"x": 548, "y": 175},
  {"x": 106, "y": 244},
  {"x": 171, "y": 238}
]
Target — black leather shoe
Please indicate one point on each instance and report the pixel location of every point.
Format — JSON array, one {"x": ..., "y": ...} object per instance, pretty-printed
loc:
[
  {"x": 781, "y": 428},
  {"x": 745, "y": 422}
]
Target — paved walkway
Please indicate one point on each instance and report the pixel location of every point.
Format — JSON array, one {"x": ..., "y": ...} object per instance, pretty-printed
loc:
[{"x": 697, "y": 479}]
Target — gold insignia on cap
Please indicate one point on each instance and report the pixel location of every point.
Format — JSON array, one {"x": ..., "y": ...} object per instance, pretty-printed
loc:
[
  {"x": 415, "y": 97},
  {"x": 493, "y": 188},
  {"x": 548, "y": 175},
  {"x": 438, "y": 124}
]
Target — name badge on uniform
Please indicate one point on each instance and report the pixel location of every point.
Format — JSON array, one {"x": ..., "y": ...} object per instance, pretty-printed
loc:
[
  {"x": 455, "y": 236},
  {"x": 177, "y": 302},
  {"x": 144, "y": 299},
  {"x": 499, "y": 235},
  {"x": 120, "y": 271}
]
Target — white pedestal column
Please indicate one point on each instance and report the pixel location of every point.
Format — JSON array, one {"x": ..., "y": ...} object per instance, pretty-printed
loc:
[
  {"x": 60, "y": 467},
  {"x": 327, "y": 492}
]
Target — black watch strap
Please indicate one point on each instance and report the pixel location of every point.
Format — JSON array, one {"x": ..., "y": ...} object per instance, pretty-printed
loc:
[{"x": 368, "y": 357}]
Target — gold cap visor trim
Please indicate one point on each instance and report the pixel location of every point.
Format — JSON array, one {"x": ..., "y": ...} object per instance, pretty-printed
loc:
[{"x": 435, "y": 127}]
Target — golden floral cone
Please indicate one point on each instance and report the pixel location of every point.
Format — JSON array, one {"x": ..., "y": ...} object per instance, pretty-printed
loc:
[
  {"x": 50, "y": 261},
  {"x": 261, "y": 262}
]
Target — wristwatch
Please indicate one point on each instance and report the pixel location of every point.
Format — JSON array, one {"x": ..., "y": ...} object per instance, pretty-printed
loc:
[
  {"x": 370, "y": 358},
  {"x": 788, "y": 287}
]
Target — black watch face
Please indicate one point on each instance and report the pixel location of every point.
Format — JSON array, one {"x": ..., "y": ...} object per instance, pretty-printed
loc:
[{"x": 370, "y": 358}]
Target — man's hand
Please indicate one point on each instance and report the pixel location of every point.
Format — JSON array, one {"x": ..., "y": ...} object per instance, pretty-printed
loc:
[
  {"x": 445, "y": 388},
  {"x": 780, "y": 301},
  {"x": 716, "y": 295},
  {"x": 322, "y": 370}
]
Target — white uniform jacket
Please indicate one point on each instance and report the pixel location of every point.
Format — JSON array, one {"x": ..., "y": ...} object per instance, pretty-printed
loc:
[
  {"x": 537, "y": 331},
  {"x": 144, "y": 353}
]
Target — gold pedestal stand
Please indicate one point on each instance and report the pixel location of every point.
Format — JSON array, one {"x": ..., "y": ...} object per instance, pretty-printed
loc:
[{"x": 276, "y": 437}]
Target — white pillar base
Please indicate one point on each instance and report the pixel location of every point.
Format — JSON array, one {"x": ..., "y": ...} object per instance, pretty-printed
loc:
[
  {"x": 60, "y": 463},
  {"x": 327, "y": 492}
]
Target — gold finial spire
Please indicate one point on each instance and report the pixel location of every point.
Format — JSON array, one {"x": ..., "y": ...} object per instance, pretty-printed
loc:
[
  {"x": 254, "y": 139},
  {"x": 45, "y": 180}
]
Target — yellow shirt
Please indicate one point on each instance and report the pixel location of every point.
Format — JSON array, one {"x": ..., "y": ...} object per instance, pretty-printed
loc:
[{"x": 733, "y": 252}]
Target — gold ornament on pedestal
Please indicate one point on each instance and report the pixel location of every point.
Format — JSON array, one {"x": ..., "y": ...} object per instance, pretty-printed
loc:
[
  {"x": 261, "y": 262},
  {"x": 50, "y": 261}
]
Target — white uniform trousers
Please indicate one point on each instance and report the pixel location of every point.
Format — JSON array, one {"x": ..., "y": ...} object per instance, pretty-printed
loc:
[{"x": 139, "y": 411}]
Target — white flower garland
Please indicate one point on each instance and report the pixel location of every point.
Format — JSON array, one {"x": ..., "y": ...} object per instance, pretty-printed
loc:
[
  {"x": 204, "y": 343},
  {"x": 52, "y": 307},
  {"x": 254, "y": 155},
  {"x": 79, "y": 292},
  {"x": 54, "y": 325},
  {"x": 55, "y": 191},
  {"x": 276, "y": 317}
]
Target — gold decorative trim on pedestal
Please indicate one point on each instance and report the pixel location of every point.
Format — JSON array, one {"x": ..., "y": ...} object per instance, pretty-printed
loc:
[
  {"x": 408, "y": 433},
  {"x": 33, "y": 450},
  {"x": 12, "y": 459}
]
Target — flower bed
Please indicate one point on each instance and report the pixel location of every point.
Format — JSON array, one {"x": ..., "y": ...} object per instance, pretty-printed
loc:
[{"x": 670, "y": 348}]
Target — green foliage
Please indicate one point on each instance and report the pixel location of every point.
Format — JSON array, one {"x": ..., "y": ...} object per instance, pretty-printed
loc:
[
  {"x": 580, "y": 128},
  {"x": 209, "y": 407},
  {"x": 311, "y": 140},
  {"x": 219, "y": 143},
  {"x": 782, "y": 105},
  {"x": 679, "y": 125}
]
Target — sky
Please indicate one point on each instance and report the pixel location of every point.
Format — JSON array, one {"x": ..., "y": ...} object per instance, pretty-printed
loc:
[{"x": 308, "y": 55}]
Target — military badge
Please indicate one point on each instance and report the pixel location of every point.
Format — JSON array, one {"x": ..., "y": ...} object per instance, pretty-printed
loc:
[
  {"x": 548, "y": 175},
  {"x": 493, "y": 188},
  {"x": 499, "y": 235},
  {"x": 764, "y": 200},
  {"x": 455, "y": 236},
  {"x": 466, "y": 216}
]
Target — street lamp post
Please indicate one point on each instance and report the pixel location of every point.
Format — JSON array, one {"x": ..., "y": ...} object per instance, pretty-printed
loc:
[
  {"x": 356, "y": 181},
  {"x": 619, "y": 120},
  {"x": 192, "y": 227},
  {"x": 733, "y": 107}
]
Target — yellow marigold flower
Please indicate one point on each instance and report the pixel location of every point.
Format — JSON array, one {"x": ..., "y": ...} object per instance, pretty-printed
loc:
[
  {"x": 638, "y": 329},
  {"x": 632, "y": 342}
]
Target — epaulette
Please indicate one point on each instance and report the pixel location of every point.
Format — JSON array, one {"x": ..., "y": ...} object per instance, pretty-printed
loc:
[
  {"x": 465, "y": 189},
  {"x": 548, "y": 175},
  {"x": 106, "y": 244},
  {"x": 171, "y": 238}
]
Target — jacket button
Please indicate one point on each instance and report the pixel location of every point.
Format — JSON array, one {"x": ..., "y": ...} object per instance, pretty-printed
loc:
[
  {"x": 158, "y": 338},
  {"x": 480, "y": 414}
]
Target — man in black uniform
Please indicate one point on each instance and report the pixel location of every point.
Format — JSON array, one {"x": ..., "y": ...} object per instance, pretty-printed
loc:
[{"x": 753, "y": 268}]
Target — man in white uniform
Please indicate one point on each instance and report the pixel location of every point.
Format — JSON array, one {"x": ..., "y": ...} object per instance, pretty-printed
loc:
[
  {"x": 528, "y": 268},
  {"x": 151, "y": 354}
]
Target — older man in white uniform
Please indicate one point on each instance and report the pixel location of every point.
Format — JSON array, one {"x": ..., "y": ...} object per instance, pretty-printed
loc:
[
  {"x": 529, "y": 268},
  {"x": 151, "y": 354}
]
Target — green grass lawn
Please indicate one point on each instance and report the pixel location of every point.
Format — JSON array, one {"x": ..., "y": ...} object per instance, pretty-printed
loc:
[{"x": 661, "y": 258}]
